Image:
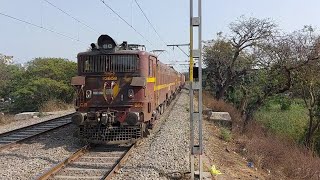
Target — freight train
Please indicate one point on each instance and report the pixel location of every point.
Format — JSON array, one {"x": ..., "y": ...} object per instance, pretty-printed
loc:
[{"x": 120, "y": 91}]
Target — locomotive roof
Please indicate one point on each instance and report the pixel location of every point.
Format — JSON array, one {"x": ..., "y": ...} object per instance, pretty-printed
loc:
[
  {"x": 98, "y": 52},
  {"x": 137, "y": 52}
]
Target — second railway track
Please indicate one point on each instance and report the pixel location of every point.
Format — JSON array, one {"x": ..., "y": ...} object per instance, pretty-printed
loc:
[
  {"x": 13, "y": 137},
  {"x": 90, "y": 162}
]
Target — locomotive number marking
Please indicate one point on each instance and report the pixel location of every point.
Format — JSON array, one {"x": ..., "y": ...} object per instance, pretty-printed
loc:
[
  {"x": 110, "y": 78},
  {"x": 138, "y": 104},
  {"x": 83, "y": 104}
]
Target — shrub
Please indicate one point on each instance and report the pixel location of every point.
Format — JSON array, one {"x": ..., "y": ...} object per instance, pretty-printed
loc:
[
  {"x": 220, "y": 106},
  {"x": 225, "y": 134},
  {"x": 54, "y": 105},
  {"x": 285, "y": 103},
  {"x": 281, "y": 156},
  {"x": 291, "y": 123},
  {"x": 34, "y": 94},
  {"x": 5, "y": 119}
]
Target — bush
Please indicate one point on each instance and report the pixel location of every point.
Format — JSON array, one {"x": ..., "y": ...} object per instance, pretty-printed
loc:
[
  {"x": 54, "y": 105},
  {"x": 285, "y": 103},
  {"x": 220, "y": 106},
  {"x": 5, "y": 119},
  {"x": 290, "y": 123},
  {"x": 280, "y": 156},
  {"x": 225, "y": 134},
  {"x": 37, "y": 92},
  {"x": 43, "y": 80}
]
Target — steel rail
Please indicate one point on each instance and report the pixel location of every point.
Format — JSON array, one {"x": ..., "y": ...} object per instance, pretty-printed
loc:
[
  {"x": 76, "y": 157},
  {"x": 83, "y": 152},
  {"x": 119, "y": 164},
  {"x": 11, "y": 138},
  {"x": 58, "y": 167}
]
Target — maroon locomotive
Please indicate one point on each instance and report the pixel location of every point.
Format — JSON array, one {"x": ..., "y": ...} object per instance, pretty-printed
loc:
[{"x": 121, "y": 90}]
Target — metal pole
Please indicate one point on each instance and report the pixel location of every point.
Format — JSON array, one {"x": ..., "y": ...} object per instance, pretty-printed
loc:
[
  {"x": 191, "y": 93},
  {"x": 195, "y": 85},
  {"x": 200, "y": 86}
]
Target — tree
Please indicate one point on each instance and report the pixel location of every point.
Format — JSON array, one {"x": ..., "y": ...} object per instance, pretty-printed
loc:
[
  {"x": 7, "y": 71},
  {"x": 307, "y": 84},
  {"x": 229, "y": 58},
  {"x": 277, "y": 62},
  {"x": 43, "y": 79},
  {"x": 54, "y": 68},
  {"x": 32, "y": 95}
]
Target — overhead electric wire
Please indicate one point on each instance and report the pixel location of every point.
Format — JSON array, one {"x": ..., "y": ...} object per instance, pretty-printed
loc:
[
  {"x": 144, "y": 14},
  {"x": 126, "y": 22},
  {"x": 40, "y": 27},
  {"x": 155, "y": 30},
  {"x": 66, "y": 13}
]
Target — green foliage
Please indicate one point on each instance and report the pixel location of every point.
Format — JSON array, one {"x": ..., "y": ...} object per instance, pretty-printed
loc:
[
  {"x": 289, "y": 123},
  {"x": 31, "y": 96},
  {"x": 225, "y": 134},
  {"x": 8, "y": 73},
  {"x": 284, "y": 101},
  {"x": 44, "y": 79},
  {"x": 54, "y": 68}
]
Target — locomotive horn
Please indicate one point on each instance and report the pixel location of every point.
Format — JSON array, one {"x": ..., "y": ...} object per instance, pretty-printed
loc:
[{"x": 107, "y": 43}]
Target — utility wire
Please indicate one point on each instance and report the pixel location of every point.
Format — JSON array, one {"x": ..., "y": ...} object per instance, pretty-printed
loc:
[
  {"x": 40, "y": 27},
  {"x": 155, "y": 30},
  {"x": 144, "y": 14},
  {"x": 66, "y": 13},
  {"x": 126, "y": 22}
]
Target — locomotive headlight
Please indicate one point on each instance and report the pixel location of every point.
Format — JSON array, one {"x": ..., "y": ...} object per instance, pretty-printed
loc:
[
  {"x": 130, "y": 93},
  {"x": 88, "y": 94}
]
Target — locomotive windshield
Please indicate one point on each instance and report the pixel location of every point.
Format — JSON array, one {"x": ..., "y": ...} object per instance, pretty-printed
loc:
[{"x": 108, "y": 63}]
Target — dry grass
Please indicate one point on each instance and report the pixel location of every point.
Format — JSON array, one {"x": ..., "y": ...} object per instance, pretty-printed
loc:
[
  {"x": 5, "y": 119},
  {"x": 54, "y": 105},
  {"x": 221, "y": 106},
  {"x": 281, "y": 157}
]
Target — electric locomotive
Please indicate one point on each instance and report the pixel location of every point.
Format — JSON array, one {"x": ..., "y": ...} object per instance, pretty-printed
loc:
[{"x": 120, "y": 91}]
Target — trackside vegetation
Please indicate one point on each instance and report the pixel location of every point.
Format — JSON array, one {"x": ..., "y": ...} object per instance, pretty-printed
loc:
[
  {"x": 269, "y": 82},
  {"x": 30, "y": 87}
]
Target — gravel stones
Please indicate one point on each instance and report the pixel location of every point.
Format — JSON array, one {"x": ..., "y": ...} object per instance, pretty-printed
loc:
[
  {"x": 22, "y": 123},
  {"x": 165, "y": 153},
  {"x": 34, "y": 156}
]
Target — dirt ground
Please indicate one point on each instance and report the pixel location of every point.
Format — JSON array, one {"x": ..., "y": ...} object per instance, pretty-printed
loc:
[{"x": 223, "y": 155}]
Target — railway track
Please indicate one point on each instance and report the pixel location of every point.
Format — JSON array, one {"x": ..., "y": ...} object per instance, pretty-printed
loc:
[
  {"x": 90, "y": 162},
  {"x": 10, "y": 138}
]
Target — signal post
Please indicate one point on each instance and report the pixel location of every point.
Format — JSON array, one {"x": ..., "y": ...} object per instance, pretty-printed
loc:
[{"x": 195, "y": 86}]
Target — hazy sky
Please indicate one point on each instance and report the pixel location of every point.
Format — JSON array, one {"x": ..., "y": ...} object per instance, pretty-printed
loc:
[{"x": 170, "y": 17}]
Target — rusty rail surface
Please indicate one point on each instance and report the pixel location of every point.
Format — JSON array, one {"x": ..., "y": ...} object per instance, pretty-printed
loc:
[
  {"x": 83, "y": 163},
  {"x": 10, "y": 138}
]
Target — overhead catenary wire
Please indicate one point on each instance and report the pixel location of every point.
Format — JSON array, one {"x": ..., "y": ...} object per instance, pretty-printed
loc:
[
  {"x": 40, "y": 27},
  {"x": 126, "y": 22},
  {"x": 68, "y": 14},
  {"x": 144, "y": 14},
  {"x": 154, "y": 29}
]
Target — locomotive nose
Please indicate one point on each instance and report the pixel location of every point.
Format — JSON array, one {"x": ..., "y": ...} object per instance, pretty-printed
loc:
[{"x": 132, "y": 118}]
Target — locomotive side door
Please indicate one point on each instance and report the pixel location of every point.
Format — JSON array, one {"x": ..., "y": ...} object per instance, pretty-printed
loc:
[
  {"x": 152, "y": 81},
  {"x": 154, "y": 76}
]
